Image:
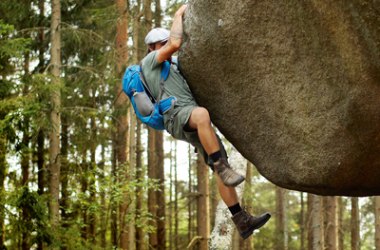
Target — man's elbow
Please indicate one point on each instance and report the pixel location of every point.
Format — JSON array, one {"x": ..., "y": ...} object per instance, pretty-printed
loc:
[{"x": 175, "y": 43}]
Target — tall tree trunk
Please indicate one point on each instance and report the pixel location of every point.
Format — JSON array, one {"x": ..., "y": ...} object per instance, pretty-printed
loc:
[
  {"x": 113, "y": 202},
  {"x": 152, "y": 197},
  {"x": 176, "y": 211},
  {"x": 136, "y": 149},
  {"x": 128, "y": 199},
  {"x": 84, "y": 189},
  {"x": 103, "y": 206},
  {"x": 355, "y": 224},
  {"x": 152, "y": 137},
  {"x": 302, "y": 222},
  {"x": 137, "y": 32},
  {"x": 3, "y": 167},
  {"x": 122, "y": 119},
  {"x": 377, "y": 222},
  {"x": 156, "y": 171},
  {"x": 203, "y": 204},
  {"x": 190, "y": 199},
  {"x": 310, "y": 199},
  {"x": 140, "y": 176},
  {"x": 91, "y": 182},
  {"x": 170, "y": 212},
  {"x": 247, "y": 202},
  {"x": 25, "y": 154},
  {"x": 55, "y": 117},
  {"x": 315, "y": 229},
  {"x": 133, "y": 175},
  {"x": 25, "y": 159},
  {"x": 64, "y": 178},
  {"x": 161, "y": 192},
  {"x": 340, "y": 224},
  {"x": 157, "y": 14},
  {"x": 121, "y": 37},
  {"x": 161, "y": 239},
  {"x": 281, "y": 232},
  {"x": 331, "y": 226},
  {"x": 214, "y": 199},
  {"x": 148, "y": 16},
  {"x": 41, "y": 183}
]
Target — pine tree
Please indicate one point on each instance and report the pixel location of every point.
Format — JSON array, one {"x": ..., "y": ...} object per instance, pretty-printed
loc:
[
  {"x": 190, "y": 210},
  {"x": 355, "y": 224},
  {"x": 331, "y": 227},
  {"x": 3, "y": 166},
  {"x": 377, "y": 222},
  {"x": 122, "y": 123},
  {"x": 203, "y": 204},
  {"x": 302, "y": 222},
  {"x": 340, "y": 224},
  {"x": 65, "y": 178},
  {"x": 152, "y": 197},
  {"x": 315, "y": 220},
  {"x": 281, "y": 231},
  {"x": 161, "y": 228},
  {"x": 140, "y": 195},
  {"x": 247, "y": 202},
  {"x": 55, "y": 118}
]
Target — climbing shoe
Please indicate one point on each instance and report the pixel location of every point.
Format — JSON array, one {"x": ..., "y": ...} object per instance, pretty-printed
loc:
[
  {"x": 246, "y": 223},
  {"x": 227, "y": 174}
]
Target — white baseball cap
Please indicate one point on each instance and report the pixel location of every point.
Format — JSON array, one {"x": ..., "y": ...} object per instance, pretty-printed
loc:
[{"x": 157, "y": 35}]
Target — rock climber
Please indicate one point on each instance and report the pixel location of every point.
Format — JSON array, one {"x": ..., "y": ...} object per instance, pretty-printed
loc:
[{"x": 190, "y": 122}]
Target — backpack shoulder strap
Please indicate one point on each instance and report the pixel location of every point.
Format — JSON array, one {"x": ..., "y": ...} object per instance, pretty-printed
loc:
[
  {"x": 165, "y": 70},
  {"x": 164, "y": 75},
  {"x": 147, "y": 90}
]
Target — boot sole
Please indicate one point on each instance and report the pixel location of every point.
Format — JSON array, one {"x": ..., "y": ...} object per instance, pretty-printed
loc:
[
  {"x": 249, "y": 232},
  {"x": 235, "y": 183}
]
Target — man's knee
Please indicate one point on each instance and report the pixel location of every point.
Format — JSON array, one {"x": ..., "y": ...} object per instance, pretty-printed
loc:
[{"x": 201, "y": 115}]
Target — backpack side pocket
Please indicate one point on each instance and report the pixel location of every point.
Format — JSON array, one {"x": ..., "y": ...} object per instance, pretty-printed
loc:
[{"x": 143, "y": 104}]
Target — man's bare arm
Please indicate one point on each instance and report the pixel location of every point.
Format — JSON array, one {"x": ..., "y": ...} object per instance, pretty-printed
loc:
[{"x": 175, "y": 39}]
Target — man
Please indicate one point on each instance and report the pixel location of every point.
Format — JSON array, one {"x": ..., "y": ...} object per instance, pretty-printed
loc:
[{"x": 187, "y": 121}]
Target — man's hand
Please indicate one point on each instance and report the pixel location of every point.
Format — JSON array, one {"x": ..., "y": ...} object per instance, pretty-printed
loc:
[
  {"x": 181, "y": 10},
  {"x": 175, "y": 40},
  {"x": 177, "y": 32}
]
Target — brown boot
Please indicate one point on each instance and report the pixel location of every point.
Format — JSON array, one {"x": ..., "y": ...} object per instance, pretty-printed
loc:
[
  {"x": 246, "y": 223},
  {"x": 227, "y": 174}
]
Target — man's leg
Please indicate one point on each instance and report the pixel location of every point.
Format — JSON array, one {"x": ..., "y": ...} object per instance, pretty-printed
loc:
[
  {"x": 245, "y": 222},
  {"x": 200, "y": 120},
  {"x": 228, "y": 194}
]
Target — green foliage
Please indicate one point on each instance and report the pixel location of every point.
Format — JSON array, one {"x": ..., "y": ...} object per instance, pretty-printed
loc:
[
  {"x": 15, "y": 109},
  {"x": 11, "y": 48},
  {"x": 29, "y": 216}
]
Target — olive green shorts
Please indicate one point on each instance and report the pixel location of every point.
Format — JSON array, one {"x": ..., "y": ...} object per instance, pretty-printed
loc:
[{"x": 175, "y": 121}]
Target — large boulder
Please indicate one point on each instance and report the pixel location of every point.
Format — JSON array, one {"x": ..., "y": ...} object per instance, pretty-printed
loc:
[{"x": 294, "y": 86}]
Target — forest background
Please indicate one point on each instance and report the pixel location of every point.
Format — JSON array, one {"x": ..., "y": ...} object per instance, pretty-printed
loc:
[{"x": 78, "y": 171}]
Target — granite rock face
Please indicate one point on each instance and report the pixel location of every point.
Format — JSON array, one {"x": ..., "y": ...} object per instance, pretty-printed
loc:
[{"x": 294, "y": 86}]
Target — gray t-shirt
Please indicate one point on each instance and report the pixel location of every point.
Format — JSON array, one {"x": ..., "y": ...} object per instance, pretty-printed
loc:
[{"x": 175, "y": 85}]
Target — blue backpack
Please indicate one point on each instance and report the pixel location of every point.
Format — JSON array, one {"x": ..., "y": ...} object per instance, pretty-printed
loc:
[{"x": 149, "y": 110}]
